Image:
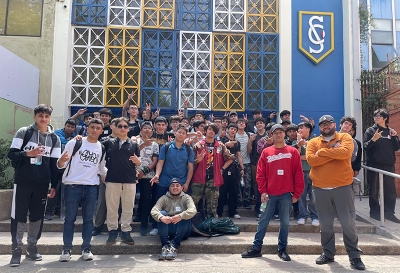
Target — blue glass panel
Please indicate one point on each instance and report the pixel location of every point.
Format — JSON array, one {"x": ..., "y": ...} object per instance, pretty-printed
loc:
[
  {"x": 159, "y": 67},
  {"x": 381, "y": 9},
  {"x": 262, "y": 72},
  {"x": 381, "y": 55},
  {"x": 194, "y": 15},
  {"x": 89, "y": 12},
  {"x": 397, "y": 9}
]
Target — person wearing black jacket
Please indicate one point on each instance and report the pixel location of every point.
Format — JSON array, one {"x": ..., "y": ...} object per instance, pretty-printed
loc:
[
  {"x": 35, "y": 167},
  {"x": 380, "y": 143}
]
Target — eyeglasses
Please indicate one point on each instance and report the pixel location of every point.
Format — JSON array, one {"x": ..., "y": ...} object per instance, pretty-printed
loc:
[
  {"x": 123, "y": 126},
  {"x": 133, "y": 108},
  {"x": 377, "y": 116},
  {"x": 326, "y": 124}
]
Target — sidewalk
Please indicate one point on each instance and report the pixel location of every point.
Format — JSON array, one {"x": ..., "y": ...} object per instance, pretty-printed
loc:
[{"x": 362, "y": 208}]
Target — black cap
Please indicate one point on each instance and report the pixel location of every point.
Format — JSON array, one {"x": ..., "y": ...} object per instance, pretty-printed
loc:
[
  {"x": 277, "y": 126},
  {"x": 233, "y": 113},
  {"x": 286, "y": 121},
  {"x": 175, "y": 180},
  {"x": 327, "y": 118},
  {"x": 160, "y": 119}
]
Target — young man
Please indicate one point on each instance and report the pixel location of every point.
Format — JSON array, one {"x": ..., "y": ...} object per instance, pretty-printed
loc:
[
  {"x": 280, "y": 182},
  {"x": 35, "y": 162},
  {"x": 291, "y": 133},
  {"x": 304, "y": 135},
  {"x": 231, "y": 175},
  {"x": 346, "y": 124},
  {"x": 233, "y": 117},
  {"x": 121, "y": 182},
  {"x": 105, "y": 116},
  {"x": 82, "y": 129},
  {"x": 380, "y": 143},
  {"x": 212, "y": 159},
  {"x": 285, "y": 115},
  {"x": 174, "y": 121},
  {"x": 160, "y": 133},
  {"x": 243, "y": 138},
  {"x": 173, "y": 212},
  {"x": 67, "y": 133},
  {"x": 332, "y": 177},
  {"x": 81, "y": 187},
  {"x": 174, "y": 162}
]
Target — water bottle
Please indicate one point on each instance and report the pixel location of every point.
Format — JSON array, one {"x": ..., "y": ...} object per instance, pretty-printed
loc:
[
  {"x": 242, "y": 181},
  {"x": 263, "y": 207},
  {"x": 38, "y": 160}
]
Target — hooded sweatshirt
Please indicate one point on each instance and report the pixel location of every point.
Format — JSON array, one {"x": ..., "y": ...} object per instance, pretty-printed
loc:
[
  {"x": 31, "y": 174},
  {"x": 182, "y": 206}
]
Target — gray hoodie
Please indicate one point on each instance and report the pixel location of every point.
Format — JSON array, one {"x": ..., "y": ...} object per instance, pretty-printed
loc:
[{"x": 183, "y": 206}]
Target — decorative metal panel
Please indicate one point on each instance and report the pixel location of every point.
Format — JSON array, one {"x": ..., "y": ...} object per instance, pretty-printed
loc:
[
  {"x": 195, "y": 15},
  {"x": 195, "y": 69},
  {"x": 158, "y": 13},
  {"x": 262, "y": 16},
  {"x": 124, "y": 13},
  {"x": 229, "y": 15},
  {"x": 87, "y": 67},
  {"x": 262, "y": 71},
  {"x": 228, "y": 71},
  {"x": 159, "y": 67},
  {"x": 122, "y": 65},
  {"x": 89, "y": 12}
]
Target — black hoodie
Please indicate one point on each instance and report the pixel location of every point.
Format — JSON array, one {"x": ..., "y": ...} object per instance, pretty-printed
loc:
[{"x": 381, "y": 151}]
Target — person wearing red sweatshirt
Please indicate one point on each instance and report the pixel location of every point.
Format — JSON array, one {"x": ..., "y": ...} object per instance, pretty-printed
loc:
[{"x": 280, "y": 182}]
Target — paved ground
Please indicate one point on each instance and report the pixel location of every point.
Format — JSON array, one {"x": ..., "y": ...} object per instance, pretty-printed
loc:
[{"x": 200, "y": 263}]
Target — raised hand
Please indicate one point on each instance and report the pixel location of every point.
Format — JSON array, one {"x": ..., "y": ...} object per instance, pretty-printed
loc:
[{"x": 377, "y": 135}]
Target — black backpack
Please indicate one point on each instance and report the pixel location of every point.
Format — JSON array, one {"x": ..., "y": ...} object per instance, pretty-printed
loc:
[
  {"x": 77, "y": 146},
  {"x": 27, "y": 137}
]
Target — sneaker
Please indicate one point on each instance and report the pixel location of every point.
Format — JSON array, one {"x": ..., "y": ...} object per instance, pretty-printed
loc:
[
  {"x": 315, "y": 222},
  {"x": 251, "y": 252},
  {"x": 87, "y": 255},
  {"x": 127, "y": 239},
  {"x": 283, "y": 255},
  {"x": 112, "y": 237},
  {"x": 164, "y": 253},
  {"x": 301, "y": 221},
  {"x": 143, "y": 231},
  {"x": 258, "y": 217},
  {"x": 237, "y": 216},
  {"x": 65, "y": 255},
  {"x": 154, "y": 232},
  {"x": 16, "y": 257},
  {"x": 324, "y": 259},
  {"x": 96, "y": 232},
  {"x": 392, "y": 217},
  {"x": 275, "y": 217},
  {"x": 48, "y": 216},
  {"x": 172, "y": 253},
  {"x": 356, "y": 263},
  {"x": 32, "y": 253}
]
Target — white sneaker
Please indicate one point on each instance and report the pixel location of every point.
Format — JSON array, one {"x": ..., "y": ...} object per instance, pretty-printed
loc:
[
  {"x": 301, "y": 221},
  {"x": 65, "y": 255},
  {"x": 237, "y": 216},
  {"x": 315, "y": 222},
  {"x": 87, "y": 255},
  {"x": 154, "y": 232}
]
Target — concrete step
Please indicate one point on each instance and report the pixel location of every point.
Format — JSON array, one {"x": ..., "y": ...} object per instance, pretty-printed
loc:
[
  {"x": 299, "y": 243},
  {"x": 245, "y": 224}
]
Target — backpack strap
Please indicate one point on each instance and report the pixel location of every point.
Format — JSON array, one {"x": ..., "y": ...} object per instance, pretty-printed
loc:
[
  {"x": 81, "y": 130},
  {"x": 77, "y": 146},
  {"x": 27, "y": 136},
  {"x": 103, "y": 152}
]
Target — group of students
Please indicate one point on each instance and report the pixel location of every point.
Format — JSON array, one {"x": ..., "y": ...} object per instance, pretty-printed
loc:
[{"x": 210, "y": 160}]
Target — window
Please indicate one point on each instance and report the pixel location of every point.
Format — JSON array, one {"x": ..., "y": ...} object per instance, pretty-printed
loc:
[
  {"x": 262, "y": 16},
  {"x": 89, "y": 12},
  {"x": 381, "y": 9},
  {"x": 21, "y": 17},
  {"x": 381, "y": 55}
]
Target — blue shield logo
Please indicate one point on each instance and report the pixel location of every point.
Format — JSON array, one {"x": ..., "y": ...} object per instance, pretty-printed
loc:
[{"x": 316, "y": 34}]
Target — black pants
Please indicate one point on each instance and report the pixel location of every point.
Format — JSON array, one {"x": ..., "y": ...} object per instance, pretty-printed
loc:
[
  {"x": 54, "y": 204},
  {"x": 231, "y": 187},
  {"x": 145, "y": 201},
  {"x": 389, "y": 190}
]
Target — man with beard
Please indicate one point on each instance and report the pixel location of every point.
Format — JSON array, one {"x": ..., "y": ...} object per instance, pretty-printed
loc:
[{"x": 329, "y": 156}]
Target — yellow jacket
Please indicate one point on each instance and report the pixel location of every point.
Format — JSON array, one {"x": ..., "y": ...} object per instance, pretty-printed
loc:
[{"x": 330, "y": 165}]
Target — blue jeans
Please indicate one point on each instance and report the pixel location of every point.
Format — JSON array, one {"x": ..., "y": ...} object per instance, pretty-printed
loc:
[
  {"x": 284, "y": 204},
  {"x": 159, "y": 192},
  {"x": 308, "y": 189},
  {"x": 87, "y": 197},
  {"x": 176, "y": 232}
]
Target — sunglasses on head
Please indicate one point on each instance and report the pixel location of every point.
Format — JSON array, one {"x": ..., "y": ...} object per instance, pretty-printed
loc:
[{"x": 123, "y": 126}]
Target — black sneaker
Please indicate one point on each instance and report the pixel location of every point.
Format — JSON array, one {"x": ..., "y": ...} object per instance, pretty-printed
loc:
[
  {"x": 16, "y": 257},
  {"x": 251, "y": 252},
  {"x": 96, "y": 232},
  {"x": 48, "y": 216},
  {"x": 112, "y": 237},
  {"x": 324, "y": 259},
  {"x": 127, "y": 239},
  {"x": 283, "y": 255},
  {"x": 275, "y": 217},
  {"x": 143, "y": 231},
  {"x": 356, "y": 263},
  {"x": 392, "y": 217},
  {"x": 32, "y": 253}
]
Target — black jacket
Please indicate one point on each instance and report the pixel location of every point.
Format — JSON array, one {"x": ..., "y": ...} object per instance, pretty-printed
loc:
[{"x": 381, "y": 151}]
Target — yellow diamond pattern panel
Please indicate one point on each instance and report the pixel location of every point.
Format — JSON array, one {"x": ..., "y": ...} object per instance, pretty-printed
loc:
[
  {"x": 158, "y": 14},
  {"x": 228, "y": 70},
  {"x": 123, "y": 53},
  {"x": 262, "y": 16}
]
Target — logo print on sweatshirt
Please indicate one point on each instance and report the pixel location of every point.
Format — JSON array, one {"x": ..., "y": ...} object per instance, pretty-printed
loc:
[
  {"x": 279, "y": 156},
  {"x": 86, "y": 155}
]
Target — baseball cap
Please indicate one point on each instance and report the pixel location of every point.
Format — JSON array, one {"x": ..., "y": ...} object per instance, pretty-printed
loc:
[
  {"x": 160, "y": 119},
  {"x": 277, "y": 126},
  {"x": 286, "y": 121},
  {"x": 175, "y": 180},
  {"x": 327, "y": 118},
  {"x": 232, "y": 113}
]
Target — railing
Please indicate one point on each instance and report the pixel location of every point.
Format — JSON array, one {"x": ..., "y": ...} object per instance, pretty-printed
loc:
[{"x": 381, "y": 197}]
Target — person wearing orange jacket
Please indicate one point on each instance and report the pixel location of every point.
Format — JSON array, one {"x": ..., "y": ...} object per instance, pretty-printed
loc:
[{"x": 329, "y": 156}]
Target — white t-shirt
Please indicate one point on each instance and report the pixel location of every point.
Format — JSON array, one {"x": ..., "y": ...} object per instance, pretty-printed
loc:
[
  {"x": 85, "y": 164},
  {"x": 146, "y": 156},
  {"x": 243, "y": 139}
]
